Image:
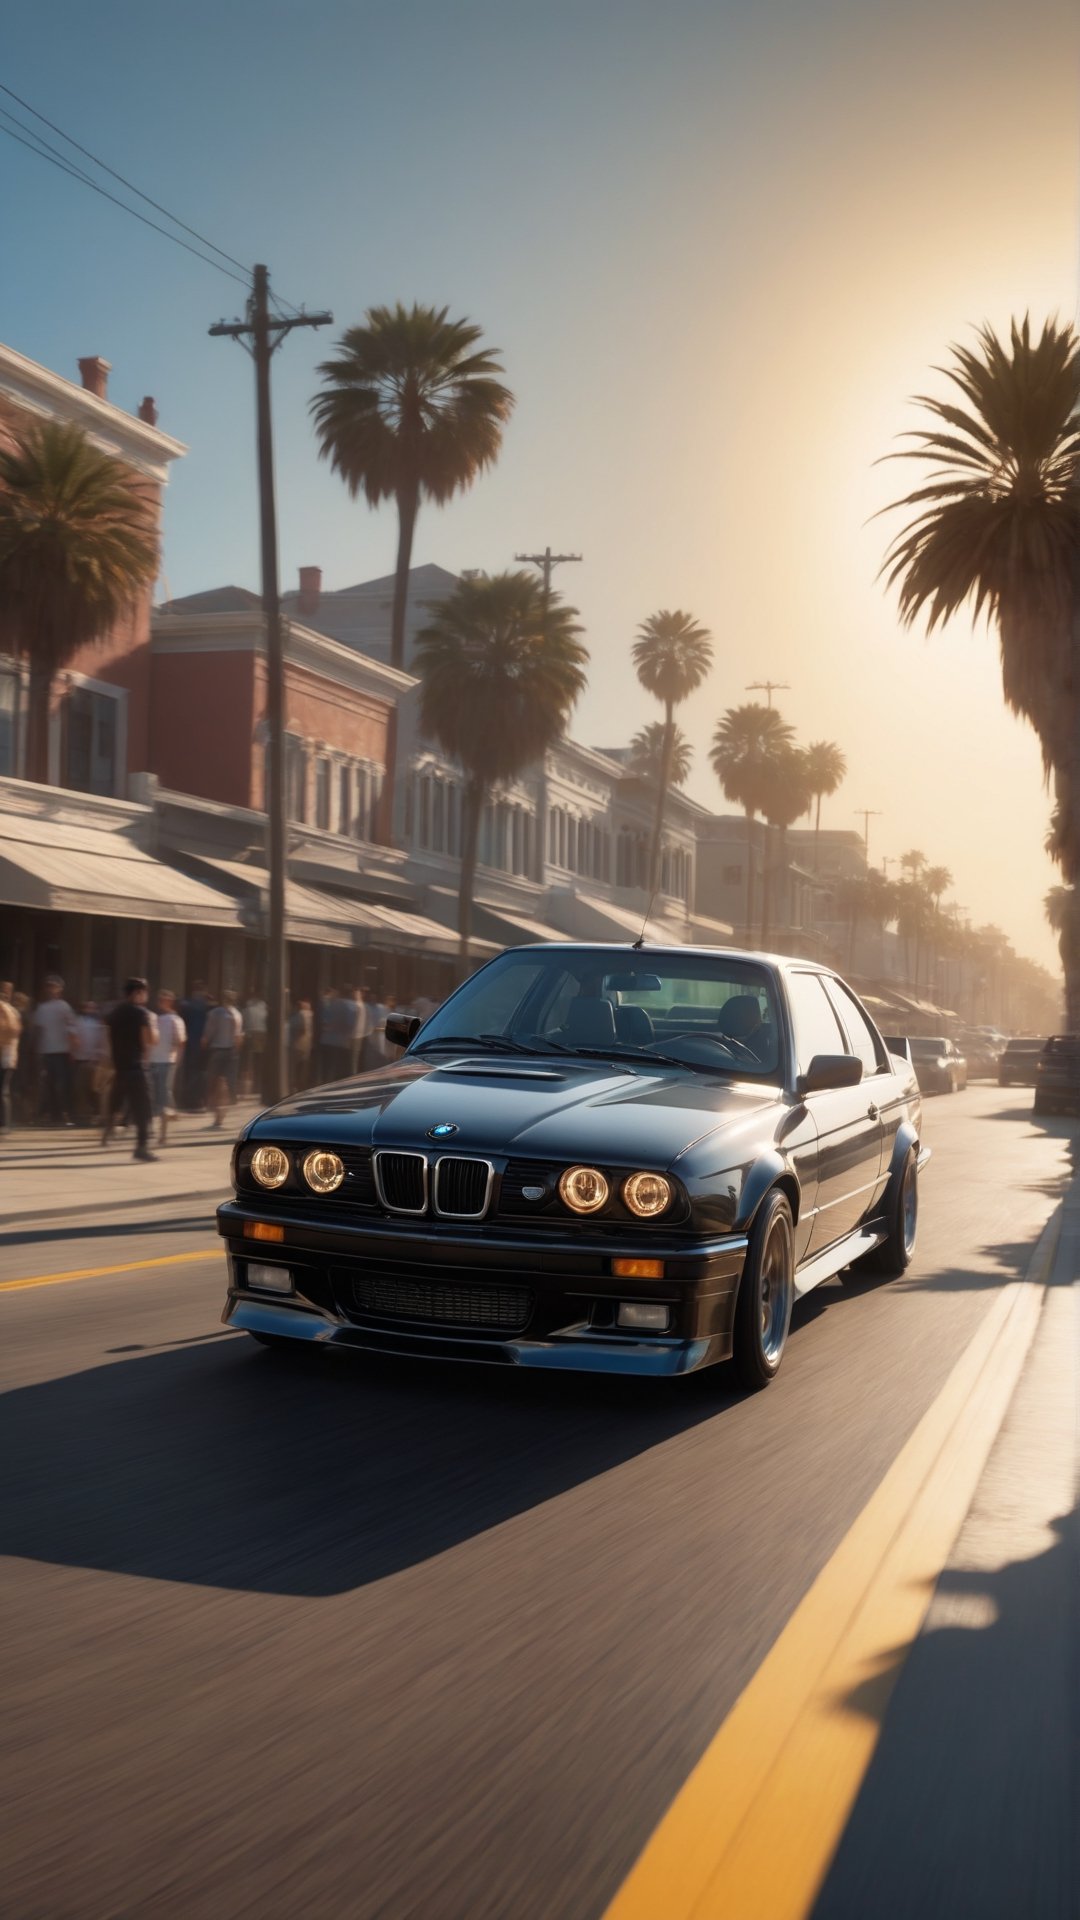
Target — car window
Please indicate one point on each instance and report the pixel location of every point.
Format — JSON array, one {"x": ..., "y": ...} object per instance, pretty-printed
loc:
[
  {"x": 863, "y": 1039},
  {"x": 817, "y": 1029}
]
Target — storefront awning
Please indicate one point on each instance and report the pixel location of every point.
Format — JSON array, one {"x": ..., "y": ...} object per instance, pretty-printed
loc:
[
  {"x": 341, "y": 920},
  {"x": 75, "y": 869},
  {"x": 501, "y": 925},
  {"x": 589, "y": 918}
]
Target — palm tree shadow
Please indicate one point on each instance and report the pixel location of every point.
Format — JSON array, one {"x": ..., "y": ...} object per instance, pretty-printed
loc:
[
  {"x": 967, "y": 1808},
  {"x": 220, "y": 1465}
]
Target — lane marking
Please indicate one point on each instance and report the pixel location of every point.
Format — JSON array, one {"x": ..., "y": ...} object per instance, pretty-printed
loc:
[
  {"x": 754, "y": 1828},
  {"x": 99, "y": 1273}
]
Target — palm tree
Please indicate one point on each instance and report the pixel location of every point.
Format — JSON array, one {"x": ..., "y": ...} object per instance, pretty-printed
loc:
[
  {"x": 647, "y": 755},
  {"x": 1063, "y": 913},
  {"x": 745, "y": 743},
  {"x": 78, "y": 544},
  {"x": 913, "y": 863},
  {"x": 410, "y": 410},
  {"x": 500, "y": 667},
  {"x": 787, "y": 797},
  {"x": 997, "y": 530},
  {"x": 826, "y": 767},
  {"x": 937, "y": 880},
  {"x": 672, "y": 655}
]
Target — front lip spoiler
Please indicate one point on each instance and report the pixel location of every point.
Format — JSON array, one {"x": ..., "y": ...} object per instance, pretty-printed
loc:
[{"x": 576, "y": 1351}]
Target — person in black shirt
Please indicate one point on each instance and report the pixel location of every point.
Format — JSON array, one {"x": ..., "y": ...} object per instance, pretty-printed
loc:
[{"x": 131, "y": 1032}]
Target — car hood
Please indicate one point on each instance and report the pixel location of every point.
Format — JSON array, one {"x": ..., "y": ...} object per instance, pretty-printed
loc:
[{"x": 562, "y": 1109}]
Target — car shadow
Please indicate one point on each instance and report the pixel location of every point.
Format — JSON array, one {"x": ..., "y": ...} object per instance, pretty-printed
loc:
[{"x": 232, "y": 1467}]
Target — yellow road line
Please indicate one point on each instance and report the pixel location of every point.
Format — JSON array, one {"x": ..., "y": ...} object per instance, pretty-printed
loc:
[
  {"x": 98, "y": 1273},
  {"x": 754, "y": 1829}
]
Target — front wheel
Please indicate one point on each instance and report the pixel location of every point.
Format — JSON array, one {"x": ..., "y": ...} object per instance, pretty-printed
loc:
[
  {"x": 766, "y": 1294},
  {"x": 894, "y": 1255}
]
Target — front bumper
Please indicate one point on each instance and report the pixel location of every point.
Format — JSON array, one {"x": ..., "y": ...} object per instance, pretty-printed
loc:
[{"x": 572, "y": 1293}]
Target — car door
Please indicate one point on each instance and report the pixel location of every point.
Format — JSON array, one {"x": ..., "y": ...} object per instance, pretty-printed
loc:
[
  {"x": 847, "y": 1119},
  {"x": 879, "y": 1083}
]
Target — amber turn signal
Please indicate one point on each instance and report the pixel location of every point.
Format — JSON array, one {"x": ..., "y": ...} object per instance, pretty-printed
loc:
[
  {"x": 638, "y": 1269},
  {"x": 262, "y": 1230}
]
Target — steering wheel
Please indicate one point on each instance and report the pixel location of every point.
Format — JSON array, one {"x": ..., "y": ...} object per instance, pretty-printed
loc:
[{"x": 728, "y": 1041}]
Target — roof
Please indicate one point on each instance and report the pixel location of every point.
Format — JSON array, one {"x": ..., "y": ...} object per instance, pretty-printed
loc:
[
  {"x": 428, "y": 577},
  {"x": 77, "y": 869},
  {"x": 215, "y": 600}
]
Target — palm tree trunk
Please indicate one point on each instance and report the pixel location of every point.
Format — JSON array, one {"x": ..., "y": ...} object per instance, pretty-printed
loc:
[
  {"x": 408, "y": 507},
  {"x": 817, "y": 835},
  {"x": 781, "y": 900},
  {"x": 749, "y": 874},
  {"x": 37, "y": 726},
  {"x": 472, "y": 806},
  {"x": 766, "y": 887},
  {"x": 661, "y": 797}
]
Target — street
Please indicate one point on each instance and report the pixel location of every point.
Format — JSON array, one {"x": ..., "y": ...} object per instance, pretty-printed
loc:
[{"x": 337, "y": 1637}]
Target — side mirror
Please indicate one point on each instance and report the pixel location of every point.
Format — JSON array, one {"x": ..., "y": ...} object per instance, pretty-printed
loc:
[
  {"x": 827, "y": 1070},
  {"x": 401, "y": 1028}
]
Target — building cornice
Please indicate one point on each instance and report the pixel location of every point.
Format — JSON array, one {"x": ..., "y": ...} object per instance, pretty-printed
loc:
[
  {"x": 39, "y": 391},
  {"x": 245, "y": 632}
]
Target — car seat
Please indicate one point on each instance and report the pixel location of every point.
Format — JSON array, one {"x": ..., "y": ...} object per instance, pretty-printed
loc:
[
  {"x": 740, "y": 1018},
  {"x": 590, "y": 1022},
  {"x": 633, "y": 1025}
]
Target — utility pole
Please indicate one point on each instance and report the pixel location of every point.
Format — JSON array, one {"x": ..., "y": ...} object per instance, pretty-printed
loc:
[
  {"x": 546, "y": 561},
  {"x": 266, "y": 331},
  {"x": 866, "y": 814},
  {"x": 769, "y": 687}
]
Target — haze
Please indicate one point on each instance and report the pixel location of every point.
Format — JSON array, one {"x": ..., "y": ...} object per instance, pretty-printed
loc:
[{"x": 719, "y": 245}]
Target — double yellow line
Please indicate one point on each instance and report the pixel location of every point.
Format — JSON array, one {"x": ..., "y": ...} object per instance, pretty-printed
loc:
[
  {"x": 100, "y": 1273},
  {"x": 753, "y": 1830}
]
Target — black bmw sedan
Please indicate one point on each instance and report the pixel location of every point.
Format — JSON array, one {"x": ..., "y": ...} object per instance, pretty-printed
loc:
[{"x": 621, "y": 1159}]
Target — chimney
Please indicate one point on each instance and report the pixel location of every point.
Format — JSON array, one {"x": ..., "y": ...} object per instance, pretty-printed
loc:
[
  {"x": 148, "y": 410},
  {"x": 310, "y": 590},
  {"x": 95, "y": 376}
]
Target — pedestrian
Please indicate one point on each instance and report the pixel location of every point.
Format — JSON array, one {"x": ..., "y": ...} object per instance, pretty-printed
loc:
[
  {"x": 11, "y": 1027},
  {"x": 361, "y": 1028},
  {"x": 326, "y": 1032},
  {"x": 254, "y": 1044},
  {"x": 221, "y": 1041},
  {"x": 89, "y": 1048},
  {"x": 301, "y": 1040},
  {"x": 23, "y": 1088},
  {"x": 164, "y": 1056},
  {"x": 344, "y": 1015},
  {"x": 131, "y": 1033},
  {"x": 380, "y": 1048},
  {"x": 53, "y": 1025},
  {"x": 194, "y": 1011}
]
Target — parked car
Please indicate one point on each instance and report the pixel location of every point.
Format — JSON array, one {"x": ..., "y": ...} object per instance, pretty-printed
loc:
[
  {"x": 1057, "y": 1075},
  {"x": 939, "y": 1064},
  {"x": 1018, "y": 1066},
  {"x": 981, "y": 1051},
  {"x": 590, "y": 1157}
]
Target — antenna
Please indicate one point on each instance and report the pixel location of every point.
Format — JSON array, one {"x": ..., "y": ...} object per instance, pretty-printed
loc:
[{"x": 637, "y": 944}]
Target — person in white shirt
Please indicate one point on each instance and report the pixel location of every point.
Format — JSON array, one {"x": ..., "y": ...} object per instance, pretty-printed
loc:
[
  {"x": 221, "y": 1040},
  {"x": 89, "y": 1047},
  {"x": 10, "y": 1033},
  {"x": 254, "y": 1018},
  {"x": 52, "y": 1027},
  {"x": 165, "y": 1050}
]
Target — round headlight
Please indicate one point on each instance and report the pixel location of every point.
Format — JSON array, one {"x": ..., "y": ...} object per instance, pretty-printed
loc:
[
  {"x": 647, "y": 1194},
  {"x": 324, "y": 1171},
  {"x": 584, "y": 1189},
  {"x": 270, "y": 1166}
]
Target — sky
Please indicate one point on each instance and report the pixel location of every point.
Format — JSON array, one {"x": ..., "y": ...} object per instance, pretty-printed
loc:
[{"x": 719, "y": 244}]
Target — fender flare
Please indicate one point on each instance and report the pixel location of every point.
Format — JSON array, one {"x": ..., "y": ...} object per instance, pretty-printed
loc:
[
  {"x": 768, "y": 1171},
  {"x": 906, "y": 1138}
]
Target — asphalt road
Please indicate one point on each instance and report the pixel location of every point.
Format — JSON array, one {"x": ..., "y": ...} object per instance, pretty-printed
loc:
[{"x": 340, "y": 1638}]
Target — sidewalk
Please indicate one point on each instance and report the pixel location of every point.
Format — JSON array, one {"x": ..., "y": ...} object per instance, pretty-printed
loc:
[
  {"x": 53, "y": 1175},
  {"x": 969, "y": 1808}
]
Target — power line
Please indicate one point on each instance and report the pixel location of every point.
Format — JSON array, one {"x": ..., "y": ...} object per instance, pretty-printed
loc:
[
  {"x": 76, "y": 173},
  {"x": 129, "y": 184}
]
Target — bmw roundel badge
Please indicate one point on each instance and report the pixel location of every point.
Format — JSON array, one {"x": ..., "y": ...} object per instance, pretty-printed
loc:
[{"x": 442, "y": 1130}]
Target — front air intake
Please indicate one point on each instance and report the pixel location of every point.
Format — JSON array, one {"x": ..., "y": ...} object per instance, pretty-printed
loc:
[
  {"x": 462, "y": 1187},
  {"x": 401, "y": 1180}
]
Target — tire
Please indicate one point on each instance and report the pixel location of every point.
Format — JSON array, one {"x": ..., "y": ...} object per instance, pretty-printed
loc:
[
  {"x": 893, "y": 1257},
  {"x": 766, "y": 1294}
]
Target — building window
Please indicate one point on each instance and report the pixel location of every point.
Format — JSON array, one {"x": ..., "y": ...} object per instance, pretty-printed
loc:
[
  {"x": 322, "y": 795},
  {"x": 295, "y": 780},
  {"x": 90, "y": 737},
  {"x": 344, "y": 799},
  {"x": 10, "y": 704},
  {"x": 732, "y": 876}
]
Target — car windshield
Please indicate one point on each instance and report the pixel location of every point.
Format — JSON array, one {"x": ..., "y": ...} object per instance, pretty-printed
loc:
[{"x": 705, "y": 1012}]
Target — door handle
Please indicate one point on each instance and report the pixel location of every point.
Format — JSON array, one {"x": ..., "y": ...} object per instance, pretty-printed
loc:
[{"x": 871, "y": 1112}]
